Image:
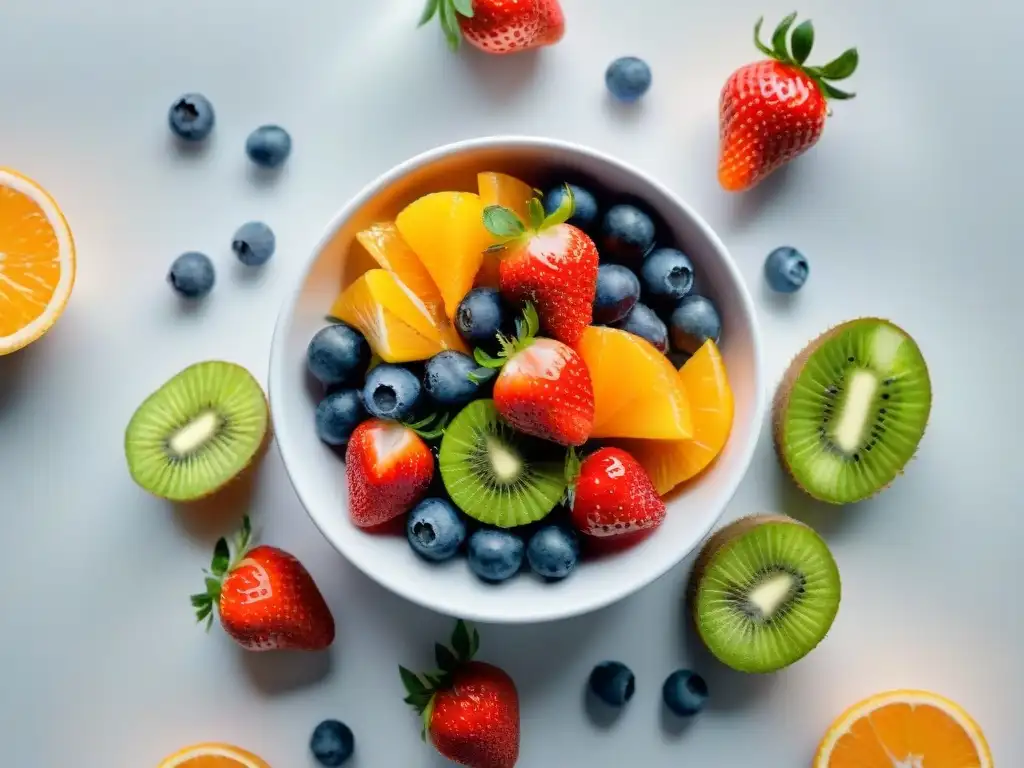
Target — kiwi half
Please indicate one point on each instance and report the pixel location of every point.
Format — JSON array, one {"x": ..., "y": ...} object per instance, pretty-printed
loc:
[
  {"x": 197, "y": 432},
  {"x": 764, "y": 592},
  {"x": 851, "y": 410},
  {"x": 497, "y": 475}
]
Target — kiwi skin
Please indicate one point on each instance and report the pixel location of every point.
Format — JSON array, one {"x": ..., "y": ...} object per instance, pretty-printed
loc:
[
  {"x": 781, "y": 400},
  {"x": 719, "y": 540}
]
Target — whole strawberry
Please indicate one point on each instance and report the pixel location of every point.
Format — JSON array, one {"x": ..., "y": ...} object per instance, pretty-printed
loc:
[
  {"x": 265, "y": 599},
  {"x": 388, "y": 468},
  {"x": 544, "y": 388},
  {"x": 498, "y": 26},
  {"x": 774, "y": 110},
  {"x": 470, "y": 709},
  {"x": 549, "y": 263},
  {"x": 613, "y": 496}
]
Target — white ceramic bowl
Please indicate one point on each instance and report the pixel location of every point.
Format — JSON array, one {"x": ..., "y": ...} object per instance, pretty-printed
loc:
[{"x": 318, "y": 474}]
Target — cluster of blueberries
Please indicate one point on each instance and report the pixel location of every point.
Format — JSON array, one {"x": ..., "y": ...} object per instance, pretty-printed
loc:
[
  {"x": 191, "y": 118},
  {"x": 684, "y": 692}
]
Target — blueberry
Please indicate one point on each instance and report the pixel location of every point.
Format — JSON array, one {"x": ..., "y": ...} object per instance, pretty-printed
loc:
[
  {"x": 435, "y": 530},
  {"x": 585, "y": 213},
  {"x": 268, "y": 146},
  {"x": 618, "y": 290},
  {"x": 553, "y": 551},
  {"x": 253, "y": 243},
  {"x": 332, "y": 743},
  {"x": 613, "y": 683},
  {"x": 627, "y": 235},
  {"x": 191, "y": 117},
  {"x": 192, "y": 275},
  {"x": 391, "y": 392},
  {"x": 338, "y": 415},
  {"x": 667, "y": 276},
  {"x": 446, "y": 378},
  {"x": 495, "y": 555},
  {"x": 628, "y": 78},
  {"x": 337, "y": 355},
  {"x": 643, "y": 322},
  {"x": 693, "y": 322},
  {"x": 480, "y": 316},
  {"x": 685, "y": 693},
  {"x": 786, "y": 270}
]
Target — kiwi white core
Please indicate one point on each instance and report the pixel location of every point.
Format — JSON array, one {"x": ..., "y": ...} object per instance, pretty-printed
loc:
[
  {"x": 772, "y": 593},
  {"x": 855, "y": 411},
  {"x": 506, "y": 463},
  {"x": 195, "y": 434}
]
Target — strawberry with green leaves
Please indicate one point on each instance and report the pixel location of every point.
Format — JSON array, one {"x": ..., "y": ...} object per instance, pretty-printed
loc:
[
  {"x": 773, "y": 110},
  {"x": 470, "y": 709},
  {"x": 544, "y": 388},
  {"x": 548, "y": 262},
  {"x": 498, "y": 26},
  {"x": 264, "y": 597}
]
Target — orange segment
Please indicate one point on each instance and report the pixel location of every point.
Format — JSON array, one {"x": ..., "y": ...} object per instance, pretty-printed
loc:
[
  {"x": 446, "y": 230},
  {"x": 394, "y": 322},
  {"x": 637, "y": 392},
  {"x": 913, "y": 728},
  {"x": 508, "y": 192},
  {"x": 670, "y": 463},
  {"x": 385, "y": 244},
  {"x": 213, "y": 756},
  {"x": 37, "y": 261}
]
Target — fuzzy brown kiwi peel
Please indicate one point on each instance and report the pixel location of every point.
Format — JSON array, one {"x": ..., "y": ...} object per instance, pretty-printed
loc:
[{"x": 851, "y": 410}]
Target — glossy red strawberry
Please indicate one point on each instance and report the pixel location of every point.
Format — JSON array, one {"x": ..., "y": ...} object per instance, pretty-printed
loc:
[
  {"x": 614, "y": 497},
  {"x": 470, "y": 709},
  {"x": 773, "y": 110},
  {"x": 498, "y": 26},
  {"x": 265, "y": 598},
  {"x": 544, "y": 388},
  {"x": 549, "y": 263},
  {"x": 388, "y": 467}
]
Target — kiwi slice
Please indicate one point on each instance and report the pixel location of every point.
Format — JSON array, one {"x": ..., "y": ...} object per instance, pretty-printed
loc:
[
  {"x": 197, "y": 432},
  {"x": 764, "y": 593},
  {"x": 851, "y": 410},
  {"x": 497, "y": 475}
]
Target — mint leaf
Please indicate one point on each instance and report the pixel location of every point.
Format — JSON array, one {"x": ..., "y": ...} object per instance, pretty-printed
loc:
[
  {"x": 503, "y": 223},
  {"x": 802, "y": 41},
  {"x": 428, "y": 13},
  {"x": 221, "y": 558},
  {"x": 460, "y": 641},
  {"x": 464, "y": 7},
  {"x": 842, "y": 67}
]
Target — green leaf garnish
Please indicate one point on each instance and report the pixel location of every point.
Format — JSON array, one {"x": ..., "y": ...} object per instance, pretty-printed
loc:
[
  {"x": 221, "y": 558},
  {"x": 780, "y": 36},
  {"x": 428, "y": 13},
  {"x": 503, "y": 223},
  {"x": 802, "y": 41},
  {"x": 460, "y": 641},
  {"x": 566, "y": 208},
  {"x": 464, "y": 7},
  {"x": 841, "y": 67}
]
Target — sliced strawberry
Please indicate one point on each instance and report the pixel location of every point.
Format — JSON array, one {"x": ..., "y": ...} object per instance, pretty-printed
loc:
[
  {"x": 614, "y": 497},
  {"x": 389, "y": 468}
]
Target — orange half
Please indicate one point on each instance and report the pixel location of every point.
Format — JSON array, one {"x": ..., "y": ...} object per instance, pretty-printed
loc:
[
  {"x": 213, "y": 755},
  {"x": 669, "y": 463},
  {"x": 37, "y": 261},
  {"x": 912, "y": 728}
]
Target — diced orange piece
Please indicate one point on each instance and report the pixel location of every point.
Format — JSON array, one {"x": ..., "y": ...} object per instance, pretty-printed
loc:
[
  {"x": 508, "y": 192},
  {"x": 393, "y": 320},
  {"x": 670, "y": 463},
  {"x": 446, "y": 230},
  {"x": 637, "y": 392}
]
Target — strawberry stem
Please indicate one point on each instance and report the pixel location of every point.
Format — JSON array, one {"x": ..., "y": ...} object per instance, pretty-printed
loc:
[
  {"x": 794, "y": 49},
  {"x": 223, "y": 563}
]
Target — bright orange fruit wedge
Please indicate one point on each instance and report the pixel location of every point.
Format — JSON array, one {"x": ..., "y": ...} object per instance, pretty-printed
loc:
[
  {"x": 37, "y": 261},
  {"x": 670, "y": 463},
  {"x": 911, "y": 728},
  {"x": 394, "y": 321},
  {"x": 508, "y": 192},
  {"x": 385, "y": 244},
  {"x": 213, "y": 756},
  {"x": 637, "y": 392},
  {"x": 446, "y": 230}
]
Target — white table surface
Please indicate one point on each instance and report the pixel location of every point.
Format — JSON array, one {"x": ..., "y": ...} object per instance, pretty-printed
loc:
[{"x": 909, "y": 208}]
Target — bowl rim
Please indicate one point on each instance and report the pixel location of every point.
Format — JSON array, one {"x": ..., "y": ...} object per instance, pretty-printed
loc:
[{"x": 600, "y": 599}]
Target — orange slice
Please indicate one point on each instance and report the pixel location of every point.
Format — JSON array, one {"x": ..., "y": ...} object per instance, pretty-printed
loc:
[
  {"x": 385, "y": 244},
  {"x": 508, "y": 192},
  {"x": 394, "y": 321},
  {"x": 637, "y": 392},
  {"x": 446, "y": 230},
  {"x": 911, "y": 728},
  {"x": 37, "y": 261},
  {"x": 213, "y": 756},
  {"x": 670, "y": 463}
]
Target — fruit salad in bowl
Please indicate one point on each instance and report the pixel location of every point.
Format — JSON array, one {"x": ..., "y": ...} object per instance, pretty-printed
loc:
[{"x": 518, "y": 381}]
